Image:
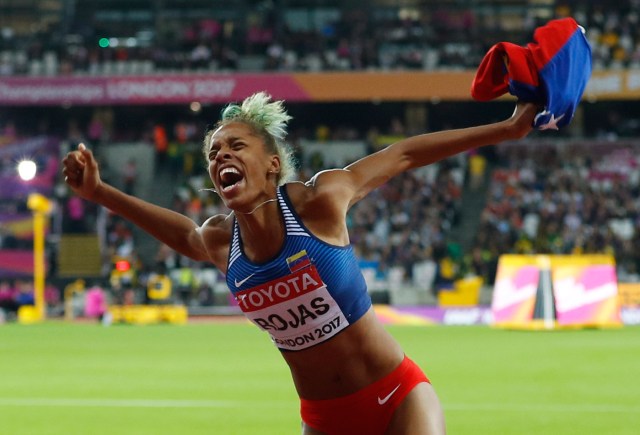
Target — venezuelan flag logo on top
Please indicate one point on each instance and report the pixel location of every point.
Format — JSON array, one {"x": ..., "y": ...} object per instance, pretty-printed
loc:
[
  {"x": 553, "y": 71},
  {"x": 298, "y": 261}
]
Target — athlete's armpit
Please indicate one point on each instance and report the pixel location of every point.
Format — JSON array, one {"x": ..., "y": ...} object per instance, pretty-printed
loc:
[{"x": 214, "y": 235}]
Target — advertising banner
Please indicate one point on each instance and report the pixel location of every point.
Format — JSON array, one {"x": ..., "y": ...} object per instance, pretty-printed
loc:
[
  {"x": 514, "y": 294},
  {"x": 629, "y": 294},
  {"x": 156, "y": 89},
  {"x": 18, "y": 225},
  {"x": 224, "y": 87},
  {"x": 16, "y": 263},
  {"x": 556, "y": 290},
  {"x": 215, "y": 87},
  {"x": 585, "y": 293}
]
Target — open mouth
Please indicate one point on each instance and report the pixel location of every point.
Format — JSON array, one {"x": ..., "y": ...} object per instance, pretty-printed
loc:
[{"x": 230, "y": 177}]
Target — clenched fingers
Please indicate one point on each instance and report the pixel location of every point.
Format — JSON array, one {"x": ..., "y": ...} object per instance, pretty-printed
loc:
[{"x": 74, "y": 165}]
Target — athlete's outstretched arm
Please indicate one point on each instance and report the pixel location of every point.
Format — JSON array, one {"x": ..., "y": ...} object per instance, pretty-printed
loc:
[
  {"x": 370, "y": 172},
  {"x": 174, "y": 229}
]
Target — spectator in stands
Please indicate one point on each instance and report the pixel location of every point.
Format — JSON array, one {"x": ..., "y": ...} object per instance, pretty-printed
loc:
[
  {"x": 185, "y": 284},
  {"x": 130, "y": 176},
  {"x": 9, "y": 132},
  {"x": 74, "y": 215},
  {"x": 417, "y": 38},
  {"x": 167, "y": 256},
  {"x": 95, "y": 302},
  {"x": 8, "y": 297},
  {"x": 161, "y": 144},
  {"x": 294, "y": 234},
  {"x": 25, "y": 295},
  {"x": 568, "y": 205},
  {"x": 95, "y": 131},
  {"x": 159, "y": 285}
]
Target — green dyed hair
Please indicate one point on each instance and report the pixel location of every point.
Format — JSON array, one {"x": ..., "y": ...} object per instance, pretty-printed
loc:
[{"x": 268, "y": 119}]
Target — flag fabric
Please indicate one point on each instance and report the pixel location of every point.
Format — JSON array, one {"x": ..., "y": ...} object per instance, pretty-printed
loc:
[{"x": 552, "y": 71}]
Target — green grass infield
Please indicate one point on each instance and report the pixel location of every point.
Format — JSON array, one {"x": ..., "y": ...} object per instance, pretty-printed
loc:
[{"x": 227, "y": 378}]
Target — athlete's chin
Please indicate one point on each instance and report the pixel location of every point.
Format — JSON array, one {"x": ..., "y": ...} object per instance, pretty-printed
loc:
[
  {"x": 236, "y": 202},
  {"x": 233, "y": 204}
]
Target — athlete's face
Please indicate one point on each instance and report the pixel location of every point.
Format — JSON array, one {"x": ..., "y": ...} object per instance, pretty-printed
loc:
[{"x": 240, "y": 166}]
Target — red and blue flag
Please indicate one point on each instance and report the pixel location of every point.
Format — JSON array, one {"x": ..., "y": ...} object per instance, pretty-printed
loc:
[{"x": 552, "y": 71}]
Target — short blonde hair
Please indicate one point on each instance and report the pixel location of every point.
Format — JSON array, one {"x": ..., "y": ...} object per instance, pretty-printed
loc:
[{"x": 268, "y": 119}]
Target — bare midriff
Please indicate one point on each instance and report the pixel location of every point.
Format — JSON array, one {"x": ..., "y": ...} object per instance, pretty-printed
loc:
[{"x": 355, "y": 358}]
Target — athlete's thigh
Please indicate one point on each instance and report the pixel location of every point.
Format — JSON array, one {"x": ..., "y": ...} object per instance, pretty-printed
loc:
[{"x": 420, "y": 413}]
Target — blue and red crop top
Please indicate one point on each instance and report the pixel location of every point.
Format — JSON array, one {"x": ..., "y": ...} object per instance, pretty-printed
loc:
[{"x": 309, "y": 292}]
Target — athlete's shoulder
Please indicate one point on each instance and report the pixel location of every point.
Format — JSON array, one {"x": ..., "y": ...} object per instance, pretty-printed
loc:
[
  {"x": 219, "y": 226},
  {"x": 219, "y": 221},
  {"x": 328, "y": 178},
  {"x": 322, "y": 208},
  {"x": 333, "y": 188},
  {"x": 297, "y": 191},
  {"x": 321, "y": 184},
  {"x": 304, "y": 195}
]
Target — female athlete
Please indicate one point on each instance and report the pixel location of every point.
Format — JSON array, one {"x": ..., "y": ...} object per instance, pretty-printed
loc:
[{"x": 285, "y": 251}]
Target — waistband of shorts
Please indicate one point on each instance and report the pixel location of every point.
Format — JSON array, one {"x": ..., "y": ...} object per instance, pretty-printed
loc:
[{"x": 362, "y": 394}]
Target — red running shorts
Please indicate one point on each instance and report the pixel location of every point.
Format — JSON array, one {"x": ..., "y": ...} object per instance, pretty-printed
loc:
[{"x": 367, "y": 411}]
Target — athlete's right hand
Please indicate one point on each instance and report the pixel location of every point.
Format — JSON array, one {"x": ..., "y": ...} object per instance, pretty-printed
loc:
[
  {"x": 521, "y": 122},
  {"x": 80, "y": 171}
]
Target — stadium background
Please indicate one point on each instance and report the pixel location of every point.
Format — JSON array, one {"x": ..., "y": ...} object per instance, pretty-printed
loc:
[{"x": 140, "y": 81}]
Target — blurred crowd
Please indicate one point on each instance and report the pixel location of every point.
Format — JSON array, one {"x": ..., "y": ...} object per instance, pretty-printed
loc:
[
  {"x": 573, "y": 199},
  {"x": 427, "y": 37},
  {"x": 570, "y": 197},
  {"x": 579, "y": 198},
  {"x": 565, "y": 198}
]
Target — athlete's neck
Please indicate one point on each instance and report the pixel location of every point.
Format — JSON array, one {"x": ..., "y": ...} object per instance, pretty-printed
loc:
[
  {"x": 261, "y": 231},
  {"x": 257, "y": 206}
]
